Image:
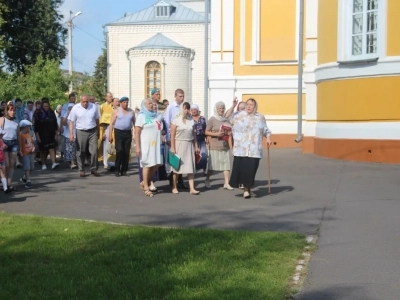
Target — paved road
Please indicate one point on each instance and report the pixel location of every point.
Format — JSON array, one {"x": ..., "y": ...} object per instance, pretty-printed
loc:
[{"x": 355, "y": 208}]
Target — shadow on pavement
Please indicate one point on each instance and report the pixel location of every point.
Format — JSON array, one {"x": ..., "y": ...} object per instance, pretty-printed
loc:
[{"x": 348, "y": 292}]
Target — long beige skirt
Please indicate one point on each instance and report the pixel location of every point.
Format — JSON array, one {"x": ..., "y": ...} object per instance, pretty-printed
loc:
[
  {"x": 185, "y": 150},
  {"x": 219, "y": 160}
]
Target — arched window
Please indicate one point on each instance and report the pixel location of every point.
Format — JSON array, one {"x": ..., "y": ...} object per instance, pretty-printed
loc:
[{"x": 153, "y": 76}]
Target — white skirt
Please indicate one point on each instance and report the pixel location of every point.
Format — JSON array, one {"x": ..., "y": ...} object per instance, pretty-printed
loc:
[{"x": 185, "y": 150}]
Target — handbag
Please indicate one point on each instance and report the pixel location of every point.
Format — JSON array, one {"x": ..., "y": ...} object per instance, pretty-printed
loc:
[
  {"x": 111, "y": 149},
  {"x": 174, "y": 160}
]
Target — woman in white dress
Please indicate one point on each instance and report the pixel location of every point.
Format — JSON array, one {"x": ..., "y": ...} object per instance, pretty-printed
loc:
[
  {"x": 148, "y": 142},
  {"x": 184, "y": 144}
]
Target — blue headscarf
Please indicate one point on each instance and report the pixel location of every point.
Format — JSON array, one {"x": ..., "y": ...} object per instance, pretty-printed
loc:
[{"x": 147, "y": 113}]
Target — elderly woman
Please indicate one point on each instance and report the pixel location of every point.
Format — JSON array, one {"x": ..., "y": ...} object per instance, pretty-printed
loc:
[
  {"x": 46, "y": 130},
  {"x": 200, "y": 131},
  {"x": 148, "y": 142},
  {"x": 249, "y": 128},
  {"x": 241, "y": 106},
  {"x": 219, "y": 132},
  {"x": 184, "y": 144},
  {"x": 11, "y": 139}
]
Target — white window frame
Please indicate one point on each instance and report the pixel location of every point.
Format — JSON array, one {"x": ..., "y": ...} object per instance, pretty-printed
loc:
[{"x": 345, "y": 32}]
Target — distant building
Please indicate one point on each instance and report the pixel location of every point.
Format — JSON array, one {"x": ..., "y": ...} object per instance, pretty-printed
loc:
[
  {"x": 161, "y": 46},
  {"x": 351, "y": 71}
]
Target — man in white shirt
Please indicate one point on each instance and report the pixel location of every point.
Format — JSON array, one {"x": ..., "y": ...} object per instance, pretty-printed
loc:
[
  {"x": 71, "y": 99},
  {"x": 173, "y": 108},
  {"x": 172, "y": 111},
  {"x": 85, "y": 118}
]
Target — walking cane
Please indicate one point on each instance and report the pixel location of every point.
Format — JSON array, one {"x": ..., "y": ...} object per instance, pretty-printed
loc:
[{"x": 269, "y": 173}]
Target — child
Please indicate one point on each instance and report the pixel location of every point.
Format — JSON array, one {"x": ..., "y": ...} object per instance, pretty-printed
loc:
[
  {"x": 3, "y": 146},
  {"x": 27, "y": 150}
]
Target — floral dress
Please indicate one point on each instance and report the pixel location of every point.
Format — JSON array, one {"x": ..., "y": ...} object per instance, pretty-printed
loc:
[{"x": 248, "y": 132}]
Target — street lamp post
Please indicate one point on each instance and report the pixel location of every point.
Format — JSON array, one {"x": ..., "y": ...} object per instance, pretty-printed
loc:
[{"x": 69, "y": 23}]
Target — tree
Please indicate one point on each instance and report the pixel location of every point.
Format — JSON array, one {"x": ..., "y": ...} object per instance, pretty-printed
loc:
[
  {"x": 100, "y": 75},
  {"x": 33, "y": 28},
  {"x": 9, "y": 85},
  {"x": 44, "y": 79},
  {"x": 3, "y": 10}
]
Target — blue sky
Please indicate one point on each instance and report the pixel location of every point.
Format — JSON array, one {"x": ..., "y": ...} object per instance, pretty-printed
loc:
[{"x": 88, "y": 35}]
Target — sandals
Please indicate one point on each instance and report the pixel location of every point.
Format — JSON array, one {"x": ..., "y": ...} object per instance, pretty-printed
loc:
[
  {"x": 148, "y": 193},
  {"x": 246, "y": 195},
  {"x": 11, "y": 188}
]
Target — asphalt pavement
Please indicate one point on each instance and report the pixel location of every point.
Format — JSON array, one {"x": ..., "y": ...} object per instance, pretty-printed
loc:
[{"x": 353, "y": 207}]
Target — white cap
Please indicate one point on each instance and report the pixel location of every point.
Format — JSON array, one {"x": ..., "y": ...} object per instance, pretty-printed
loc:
[{"x": 24, "y": 123}]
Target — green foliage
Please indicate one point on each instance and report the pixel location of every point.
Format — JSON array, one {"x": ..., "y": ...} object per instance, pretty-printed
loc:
[
  {"x": 32, "y": 28},
  {"x": 42, "y": 79},
  {"x": 100, "y": 74},
  {"x": 9, "y": 85}
]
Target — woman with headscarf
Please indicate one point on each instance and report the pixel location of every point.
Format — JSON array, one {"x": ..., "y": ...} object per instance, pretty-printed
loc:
[
  {"x": 200, "y": 131},
  {"x": 219, "y": 133},
  {"x": 46, "y": 130},
  {"x": 241, "y": 106},
  {"x": 148, "y": 143},
  {"x": 249, "y": 128},
  {"x": 184, "y": 144},
  {"x": 11, "y": 138}
]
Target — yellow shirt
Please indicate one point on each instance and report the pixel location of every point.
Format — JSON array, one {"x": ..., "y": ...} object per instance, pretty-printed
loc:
[{"x": 106, "y": 111}]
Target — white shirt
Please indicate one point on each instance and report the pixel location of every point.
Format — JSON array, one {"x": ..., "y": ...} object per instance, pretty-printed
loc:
[
  {"x": 169, "y": 115},
  {"x": 65, "y": 131},
  {"x": 84, "y": 118}
]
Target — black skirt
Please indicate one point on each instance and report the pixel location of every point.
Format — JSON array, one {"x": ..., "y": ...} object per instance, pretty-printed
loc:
[{"x": 244, "y": 171}]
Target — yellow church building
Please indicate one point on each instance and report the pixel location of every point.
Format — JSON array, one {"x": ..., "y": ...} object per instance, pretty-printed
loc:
[{"x": 351, "y": 71}]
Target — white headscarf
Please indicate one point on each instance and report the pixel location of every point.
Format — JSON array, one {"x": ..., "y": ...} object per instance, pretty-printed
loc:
[
  {"x": 216, "y": 115},
  {"x": 195, "y": 106}
]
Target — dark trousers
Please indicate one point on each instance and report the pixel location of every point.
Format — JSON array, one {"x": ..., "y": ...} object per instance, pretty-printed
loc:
[
  {"x": 123, "y": 141},
  {"x": 86, "y": 141}
]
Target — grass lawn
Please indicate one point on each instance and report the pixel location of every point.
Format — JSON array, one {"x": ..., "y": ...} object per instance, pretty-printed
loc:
[{"x": 49, "y": 258}]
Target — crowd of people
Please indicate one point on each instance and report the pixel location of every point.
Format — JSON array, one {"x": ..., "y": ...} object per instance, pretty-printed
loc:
[{"x": 88, "y": 132}]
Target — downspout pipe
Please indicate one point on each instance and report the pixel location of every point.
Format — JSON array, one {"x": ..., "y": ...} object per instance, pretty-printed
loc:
[
  {"x": 300, "y": 76},
  {"x": 164, "y": 83},
  {"x": 130, "y": 76},
  {"x": 206, "y": 84},
  {"x": 191, "y": 58}
]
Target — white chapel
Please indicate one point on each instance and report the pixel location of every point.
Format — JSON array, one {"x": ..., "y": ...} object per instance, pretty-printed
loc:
[{"x": 162, "y": 47}]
